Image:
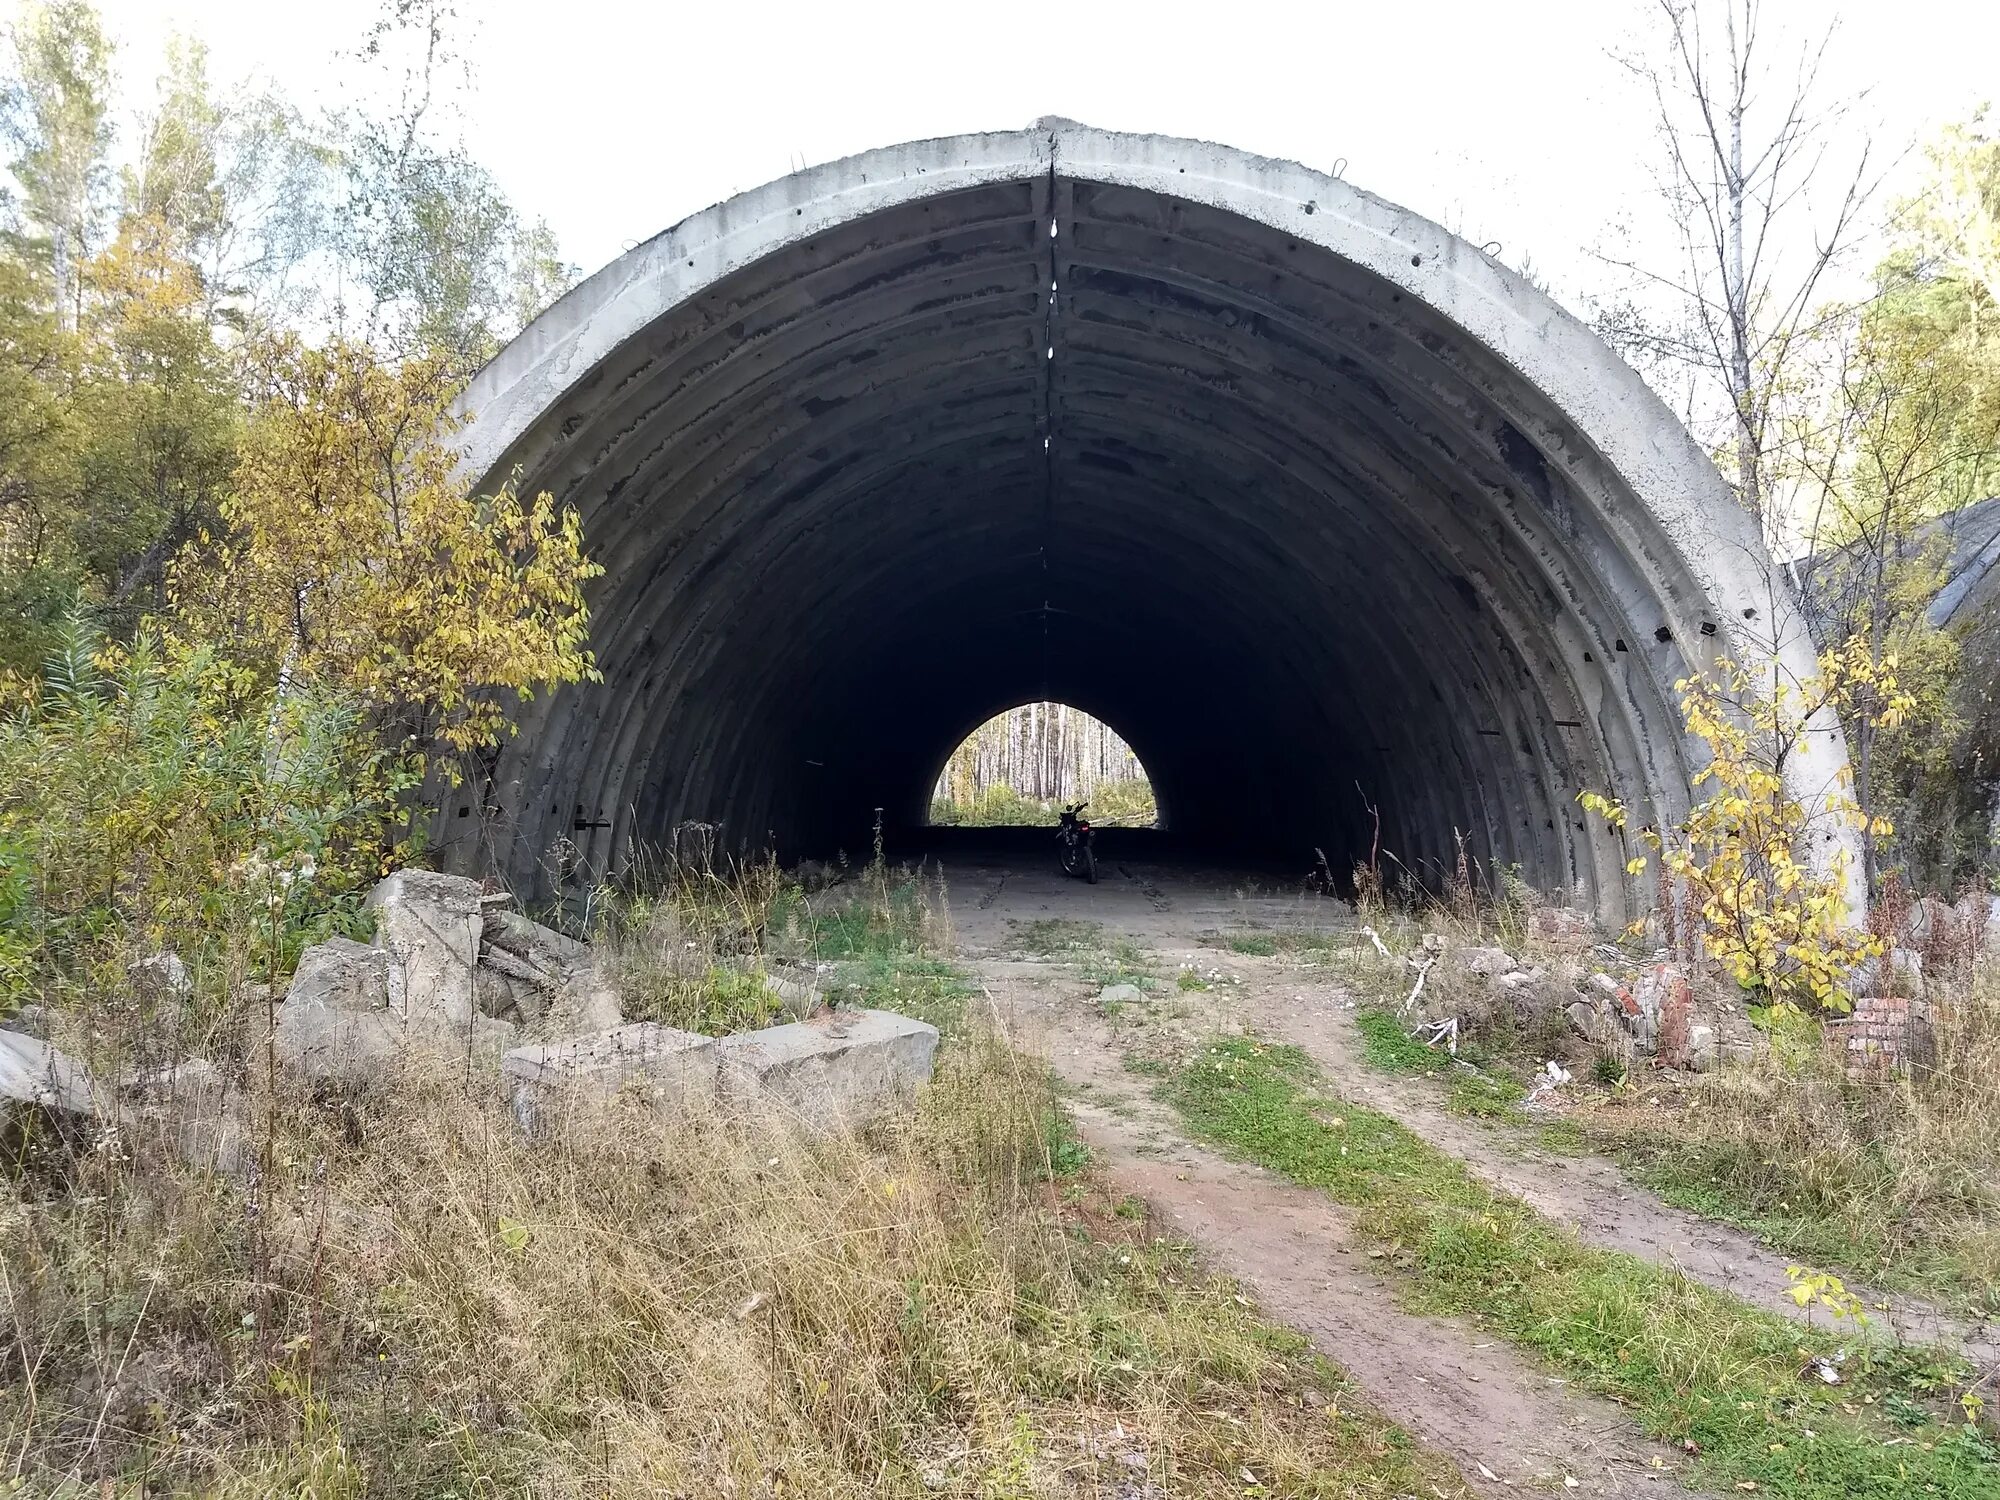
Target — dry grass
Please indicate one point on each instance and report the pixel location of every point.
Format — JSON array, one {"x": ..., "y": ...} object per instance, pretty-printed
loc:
[
  {"x": 414, "y": 1300},
  {"x": 1899, "y": 1179},
  {"x": 692, "y": 948}
]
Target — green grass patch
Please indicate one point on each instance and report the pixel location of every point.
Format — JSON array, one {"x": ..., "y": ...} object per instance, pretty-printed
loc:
[
  {"x": 1270, "y": 944},
  {"x": 1733, "y": 1182},
  {"x": 1052, "y": 937},
  {"x": 1389, "y": 1047},
  {"x": 1483, "y": 1096},
  {"x": 1693, "y": 1365},
  {"x": 1123, "y": 962},
  {"x": 925, "y": 989},
  {"x": 890, "y": 919},
  {"x": 1468, "y": 1091}
]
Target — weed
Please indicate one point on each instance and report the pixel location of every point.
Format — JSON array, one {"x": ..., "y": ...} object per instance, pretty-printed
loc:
[
  {"x": 927, "y": 989},
  {"x": 1306, "y": 943},
  {"x": 1124, "y": 962},
  {"x": 1389, "y": 1047},
  {"x": 1483, "y": 1096},
  {"x": 651, "y": 1303}
]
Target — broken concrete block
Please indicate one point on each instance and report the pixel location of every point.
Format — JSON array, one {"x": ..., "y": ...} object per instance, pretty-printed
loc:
[
  {"x": 1899, "y": 972},
  {"x": 202, "y": 1119},
  {"x": 549, "y": 951},
  {"x": 34, "y": 1073},
  {"x": 1114, "y": 995},
  {"x": 335, "y": 1023},
  {"x": 430, "y": 924},
  {"x": 29, "y": 1020},
  {"x": 161, "y": 977},
  {"x": 1586, "y": 1020},
  {"x": 666, "y": 1067},
  {"x": 833, "y": 1071},
  {"x": 586, "y": 1004}
]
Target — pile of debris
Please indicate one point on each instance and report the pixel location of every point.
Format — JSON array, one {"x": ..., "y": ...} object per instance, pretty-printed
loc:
[{"x": 452, "y": 971}]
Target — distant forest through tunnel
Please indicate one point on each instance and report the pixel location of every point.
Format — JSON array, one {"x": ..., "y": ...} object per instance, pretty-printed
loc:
[{"x": 1020, "y": 765}]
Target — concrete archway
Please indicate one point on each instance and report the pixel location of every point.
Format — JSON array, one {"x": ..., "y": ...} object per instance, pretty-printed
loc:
[{"x": 1304, "y": 493}]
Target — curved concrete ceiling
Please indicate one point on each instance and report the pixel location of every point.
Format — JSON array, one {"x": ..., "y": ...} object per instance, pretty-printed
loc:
[{"x": 1316, "y": 504}]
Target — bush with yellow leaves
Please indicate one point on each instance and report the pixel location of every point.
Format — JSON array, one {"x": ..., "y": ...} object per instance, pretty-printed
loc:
[{"x": 1776, "y": 921}]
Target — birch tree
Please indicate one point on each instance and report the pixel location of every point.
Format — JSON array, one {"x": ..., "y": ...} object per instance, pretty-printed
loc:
[{"x": 1763, "y": 196}]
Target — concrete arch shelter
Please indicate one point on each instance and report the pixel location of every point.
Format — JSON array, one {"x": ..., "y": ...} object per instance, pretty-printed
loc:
[{"x": 1309, "y": 499}]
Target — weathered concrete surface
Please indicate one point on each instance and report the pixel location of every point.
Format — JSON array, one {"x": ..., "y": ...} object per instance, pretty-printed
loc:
[
  {"x": 430, "y": 925},
  {"x": 1292, "y": 486},
  {"x": 36, "y": 1074},
  {"x": 832, "y": 1071},
  {"x": 669, "y": 1068},
  {"x": 335, "y": 1022}
]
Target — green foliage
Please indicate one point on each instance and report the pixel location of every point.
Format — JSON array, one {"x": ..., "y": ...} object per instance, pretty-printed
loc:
[
  {"x": 145, "y": 804},
  {"x": 994, "y": 807},
  {"x": 358, "y": 559},
  {"x": 1748, "y": 855},
  {"x": 925, "y": 989},
  {"x": 1904, "y": 428},
  {"x": 1694, "y": 1366},
  {"x": 1303, "y": 943}
]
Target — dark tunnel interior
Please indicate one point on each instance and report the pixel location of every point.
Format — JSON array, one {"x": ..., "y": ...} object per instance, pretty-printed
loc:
[{"x": 1305, "y": 544}]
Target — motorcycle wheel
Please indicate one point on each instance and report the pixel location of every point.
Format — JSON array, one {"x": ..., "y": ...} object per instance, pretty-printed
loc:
[
  {"x": 1069, "y": 859},
  {"x": 1090, "y": 865}
]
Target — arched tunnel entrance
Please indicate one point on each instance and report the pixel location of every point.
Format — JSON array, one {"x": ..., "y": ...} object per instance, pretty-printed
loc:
[{"x": 1323, "y": 507}]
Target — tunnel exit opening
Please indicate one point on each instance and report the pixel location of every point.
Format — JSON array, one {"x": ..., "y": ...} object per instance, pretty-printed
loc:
[{"x": 1025, "y": 763}]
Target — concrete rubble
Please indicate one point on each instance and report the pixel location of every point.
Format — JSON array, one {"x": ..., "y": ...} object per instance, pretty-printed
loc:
[
  {"x": 36, "y": 1075},
  {"x": 453, "y": 968},
  {"x": 450, "y": 971},
  {"x": 191, "y": 1106},
  {"x": 667, "y": 1067},
  {"x": 836, "y": 1070},
  {"x": 832, "y": 1071},
  {"x": 1486, "y": 963}
]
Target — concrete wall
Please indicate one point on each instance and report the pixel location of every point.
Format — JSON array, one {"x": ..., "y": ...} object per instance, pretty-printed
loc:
[{"x": 1306, "y": 497}]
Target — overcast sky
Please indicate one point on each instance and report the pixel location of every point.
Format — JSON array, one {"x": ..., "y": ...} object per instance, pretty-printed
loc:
[{"x": 1507, "y": 120}]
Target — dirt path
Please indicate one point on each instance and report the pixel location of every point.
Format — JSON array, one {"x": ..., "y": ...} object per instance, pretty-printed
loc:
[
  {"x": 1592, "y": 1195},
  {"x": 1168, "y": 911},
  {"x": 1507, "y": 1425}
]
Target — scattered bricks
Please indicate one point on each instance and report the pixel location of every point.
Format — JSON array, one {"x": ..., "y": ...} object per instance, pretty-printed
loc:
[
  {"x": 1886, "y": 1035},
  {"x": 1676, "y": 1019},
  {"x": 1561, "y": 927}
]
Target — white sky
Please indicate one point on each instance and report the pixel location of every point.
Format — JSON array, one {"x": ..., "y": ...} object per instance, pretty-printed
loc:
[{"x": 1505, "y": 119}]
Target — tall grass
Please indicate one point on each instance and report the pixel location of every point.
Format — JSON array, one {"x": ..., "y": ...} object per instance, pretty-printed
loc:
[
  {"x": 1897, "y": 1178},
  {"x": 419, "y": 1301}
]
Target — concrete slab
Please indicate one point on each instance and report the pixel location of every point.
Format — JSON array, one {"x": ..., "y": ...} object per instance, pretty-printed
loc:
[
  {"x": 664, "y": 1066},
  {"x": 831, "y": 1072}
]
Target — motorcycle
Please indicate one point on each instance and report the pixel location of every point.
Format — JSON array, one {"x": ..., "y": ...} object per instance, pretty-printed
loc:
[{"x": 1078, "y": 852}]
